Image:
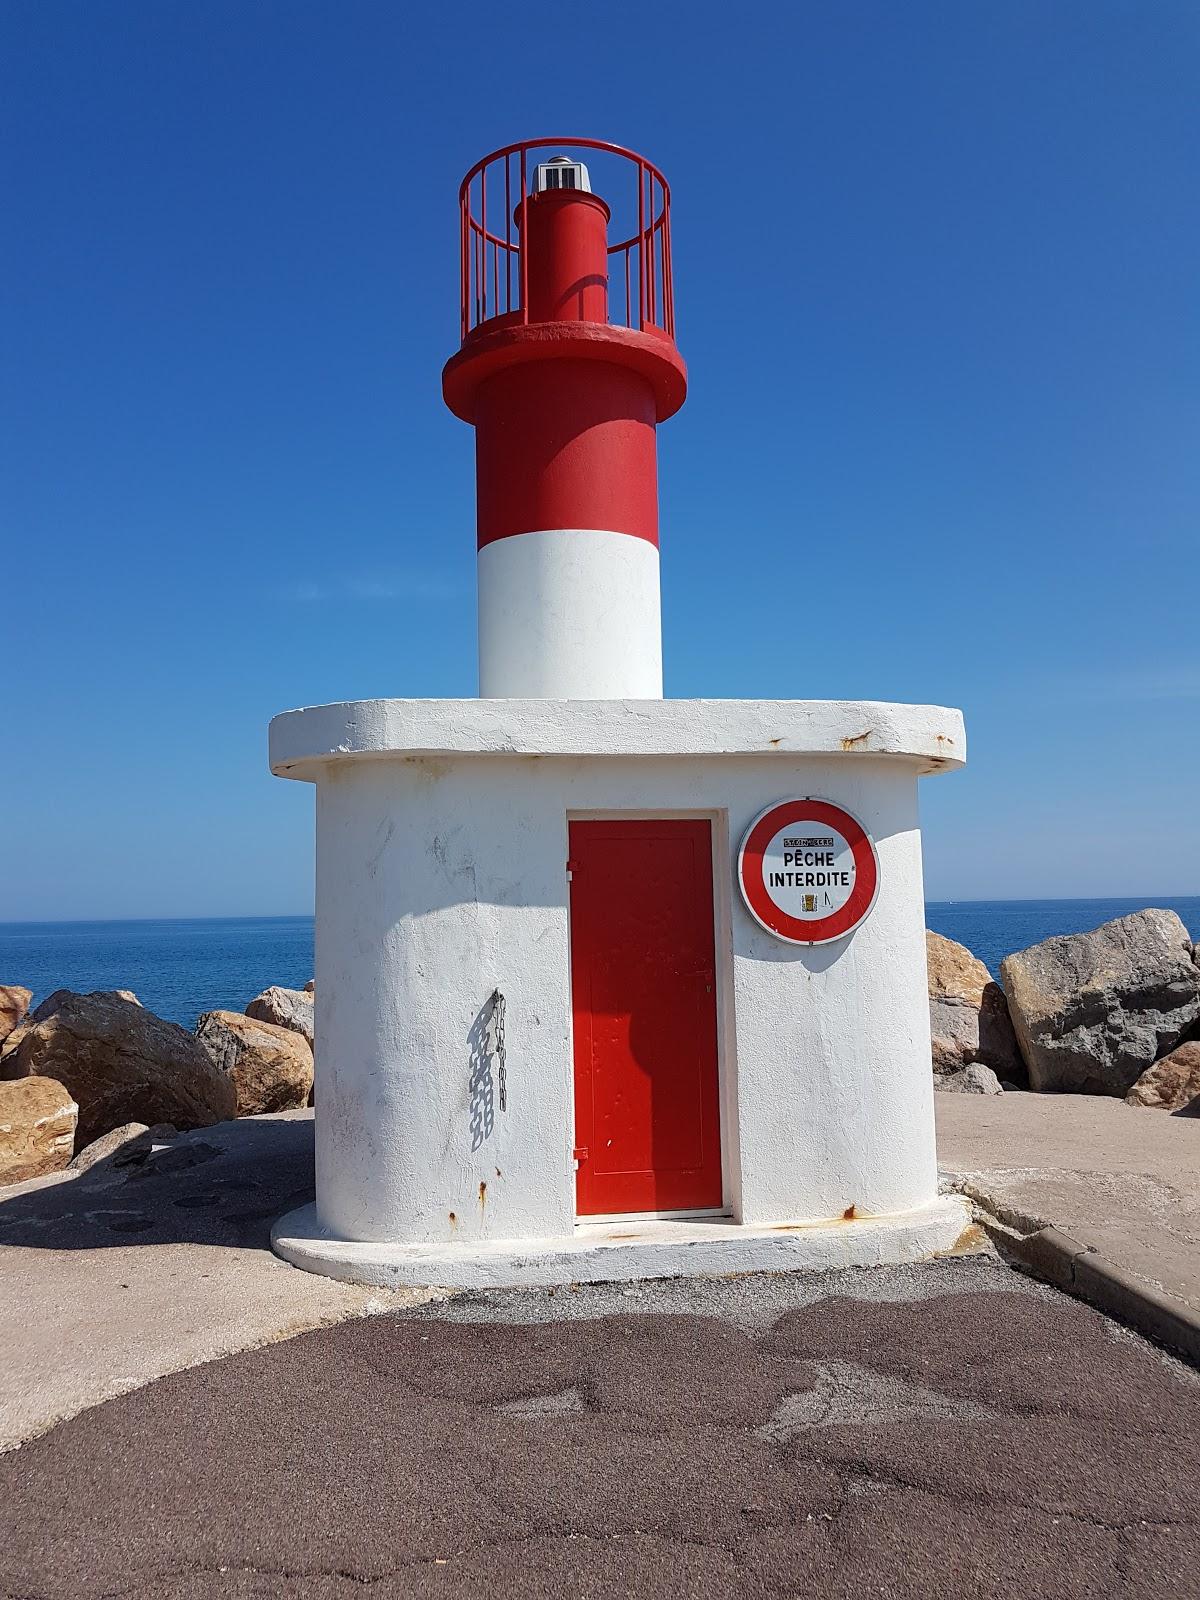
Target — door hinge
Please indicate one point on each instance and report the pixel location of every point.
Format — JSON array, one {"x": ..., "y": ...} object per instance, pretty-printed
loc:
[{"x": 579, "y": 1153}]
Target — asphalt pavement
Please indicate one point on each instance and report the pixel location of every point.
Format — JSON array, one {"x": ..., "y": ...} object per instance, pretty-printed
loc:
[{"x": 951, "y": 1430}]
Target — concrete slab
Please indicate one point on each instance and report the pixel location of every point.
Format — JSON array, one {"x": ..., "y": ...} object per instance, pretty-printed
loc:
[
  {"x": 1120, "y": 1181},
  {"x": 620, "y": 1251},
  {"x": 123, "y": 1273}
]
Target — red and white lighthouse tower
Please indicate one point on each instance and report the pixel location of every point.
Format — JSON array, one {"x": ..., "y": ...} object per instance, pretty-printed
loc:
[
  {"x": 567, "y": 365},
  {"x": 576, "y": 944}
]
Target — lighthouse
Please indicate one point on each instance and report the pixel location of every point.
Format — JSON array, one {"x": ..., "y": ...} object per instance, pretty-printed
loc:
[
  {"x": 565, "y": 403},
  {"x": 608, "y": 986}
]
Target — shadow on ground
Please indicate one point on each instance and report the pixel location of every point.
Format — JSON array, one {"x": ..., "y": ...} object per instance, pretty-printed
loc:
[
  {"x": 223, "y": 1185},
  {"x": 973, "y": 1444}
]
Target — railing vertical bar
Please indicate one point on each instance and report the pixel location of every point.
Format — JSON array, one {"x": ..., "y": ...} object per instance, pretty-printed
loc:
[
  {"x": 507, "y": 234},
  {"x": 523, "y": 241},
  {"x": 669, "y": 271},
  {"x": 628, "y": 312},
  {"x": 653, "y": 256},
  {"x": 462, "y": 269},
  {"x": 666, "y": 261},
  {"x": 483, "y": 237},
  {"x": 641, "y": 245}
]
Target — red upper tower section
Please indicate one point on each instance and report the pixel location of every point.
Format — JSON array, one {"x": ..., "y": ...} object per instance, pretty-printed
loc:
[{"x": 540, "y": 279}]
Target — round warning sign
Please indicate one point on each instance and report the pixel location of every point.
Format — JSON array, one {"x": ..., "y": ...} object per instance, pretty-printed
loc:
[{"x": 808, "y": 871}]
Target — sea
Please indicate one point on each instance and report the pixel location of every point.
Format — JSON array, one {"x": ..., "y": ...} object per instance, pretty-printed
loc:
[{"x": 181, "y": 967}]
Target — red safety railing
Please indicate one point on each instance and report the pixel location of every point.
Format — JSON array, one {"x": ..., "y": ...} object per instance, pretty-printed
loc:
[{"x": 494, "y": 269}]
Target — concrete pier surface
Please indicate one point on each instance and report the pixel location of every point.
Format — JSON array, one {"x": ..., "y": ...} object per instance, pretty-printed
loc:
[
  {"x": 111, "y": 1278},
  {"x": 932, "y": 1430},
  {"x": 1097, "y": 1196},
  {"x": 122, "y": 1273}
]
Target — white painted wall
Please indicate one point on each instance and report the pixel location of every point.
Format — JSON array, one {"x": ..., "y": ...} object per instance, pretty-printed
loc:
[
  {"x": 440, "y": 878},
  {"x": 571, "y": 613}
]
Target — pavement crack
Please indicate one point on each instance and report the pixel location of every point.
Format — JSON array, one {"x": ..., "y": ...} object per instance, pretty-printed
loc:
[{"x": 960, "y": 1496}]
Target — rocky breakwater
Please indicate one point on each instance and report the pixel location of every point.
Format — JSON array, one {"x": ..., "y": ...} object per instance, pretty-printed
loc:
[
  {"x": 271, "y": 1068},
  {"x": 1114, "y": 1011},
  {"x": 289, "y": 1008},
  {"x": 968, "y": 1014},
  {"x": 1094, "y": 1011},
  {"x": 119, "y": 1062},
  {"x": 85, "y": 1073},
  {"x": 37, "y": 1128}
]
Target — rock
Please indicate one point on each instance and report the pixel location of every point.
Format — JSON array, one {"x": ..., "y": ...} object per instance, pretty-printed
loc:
[
  {"x": 968, "y": 1014},
  {"x": 286, "y": 1008},
  {"x": 14, "y": 1003},
  {"x": 37, "y": 1128},
  {"x": 311, "y": 986},
  {"x": 271, "y": 1068},
  {"x": 128, "y": 1145},
  {"x": 54, "y": 1001},
  {"x": 975, "y": 1079},
  {"x": 121, "y": 1064},
  {"x": 1172, "y": 1084},
  {"x": 1093, "y": 1010}
]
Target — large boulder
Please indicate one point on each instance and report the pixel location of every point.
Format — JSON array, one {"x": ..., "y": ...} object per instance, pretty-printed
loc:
[
  {"x": 1172, "y": 1084},
  {"x": 37, "y": 1128},
  {"x": 968, "y": 1014},
  {"x": 286, "y": 1008},
  {"x": 1093, "y": 1010},
  {"x": 120, "y": 1063},
  {"x": 14, "y": 1003},
  {"x": 270, "y": 1068}
]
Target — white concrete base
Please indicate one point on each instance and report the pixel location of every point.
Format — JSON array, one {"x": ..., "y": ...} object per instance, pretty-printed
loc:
[
  {"x": 620, "y": 1251},
  {"x": 443, "y": 841}
]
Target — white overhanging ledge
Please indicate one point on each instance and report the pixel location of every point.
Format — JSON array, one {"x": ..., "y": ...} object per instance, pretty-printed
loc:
[{"x": 931, "y": 738}]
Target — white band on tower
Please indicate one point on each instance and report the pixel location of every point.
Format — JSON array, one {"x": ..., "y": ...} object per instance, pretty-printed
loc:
[{"x": 570, "y": 613}]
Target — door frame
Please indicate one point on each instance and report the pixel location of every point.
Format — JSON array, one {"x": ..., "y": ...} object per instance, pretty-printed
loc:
[{"x": 718, "y": 819}]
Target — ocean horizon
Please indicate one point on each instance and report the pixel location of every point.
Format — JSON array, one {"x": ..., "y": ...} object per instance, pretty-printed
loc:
[{"x": 181, "y": 967}]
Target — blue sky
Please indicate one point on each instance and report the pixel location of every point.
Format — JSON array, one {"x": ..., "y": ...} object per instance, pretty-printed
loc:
[{"x": 936, "y": 271}]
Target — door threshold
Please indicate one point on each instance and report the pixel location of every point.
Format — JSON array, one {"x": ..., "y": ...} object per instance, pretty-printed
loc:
[{"x": 717, "y": 1214}]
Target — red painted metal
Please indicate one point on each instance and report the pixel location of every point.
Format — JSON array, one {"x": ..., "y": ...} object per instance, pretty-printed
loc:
[
  {"x": 483, "y": 245},
  {"x": 647, "y": 1110},
  {"x": 566, "y": 444},
  {"x": 568, "y": 257},
  {"x": 506, "y": 342}
]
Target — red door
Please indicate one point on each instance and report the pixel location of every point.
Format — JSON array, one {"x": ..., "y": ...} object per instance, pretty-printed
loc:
[{"x": 647, "y": 1124}]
